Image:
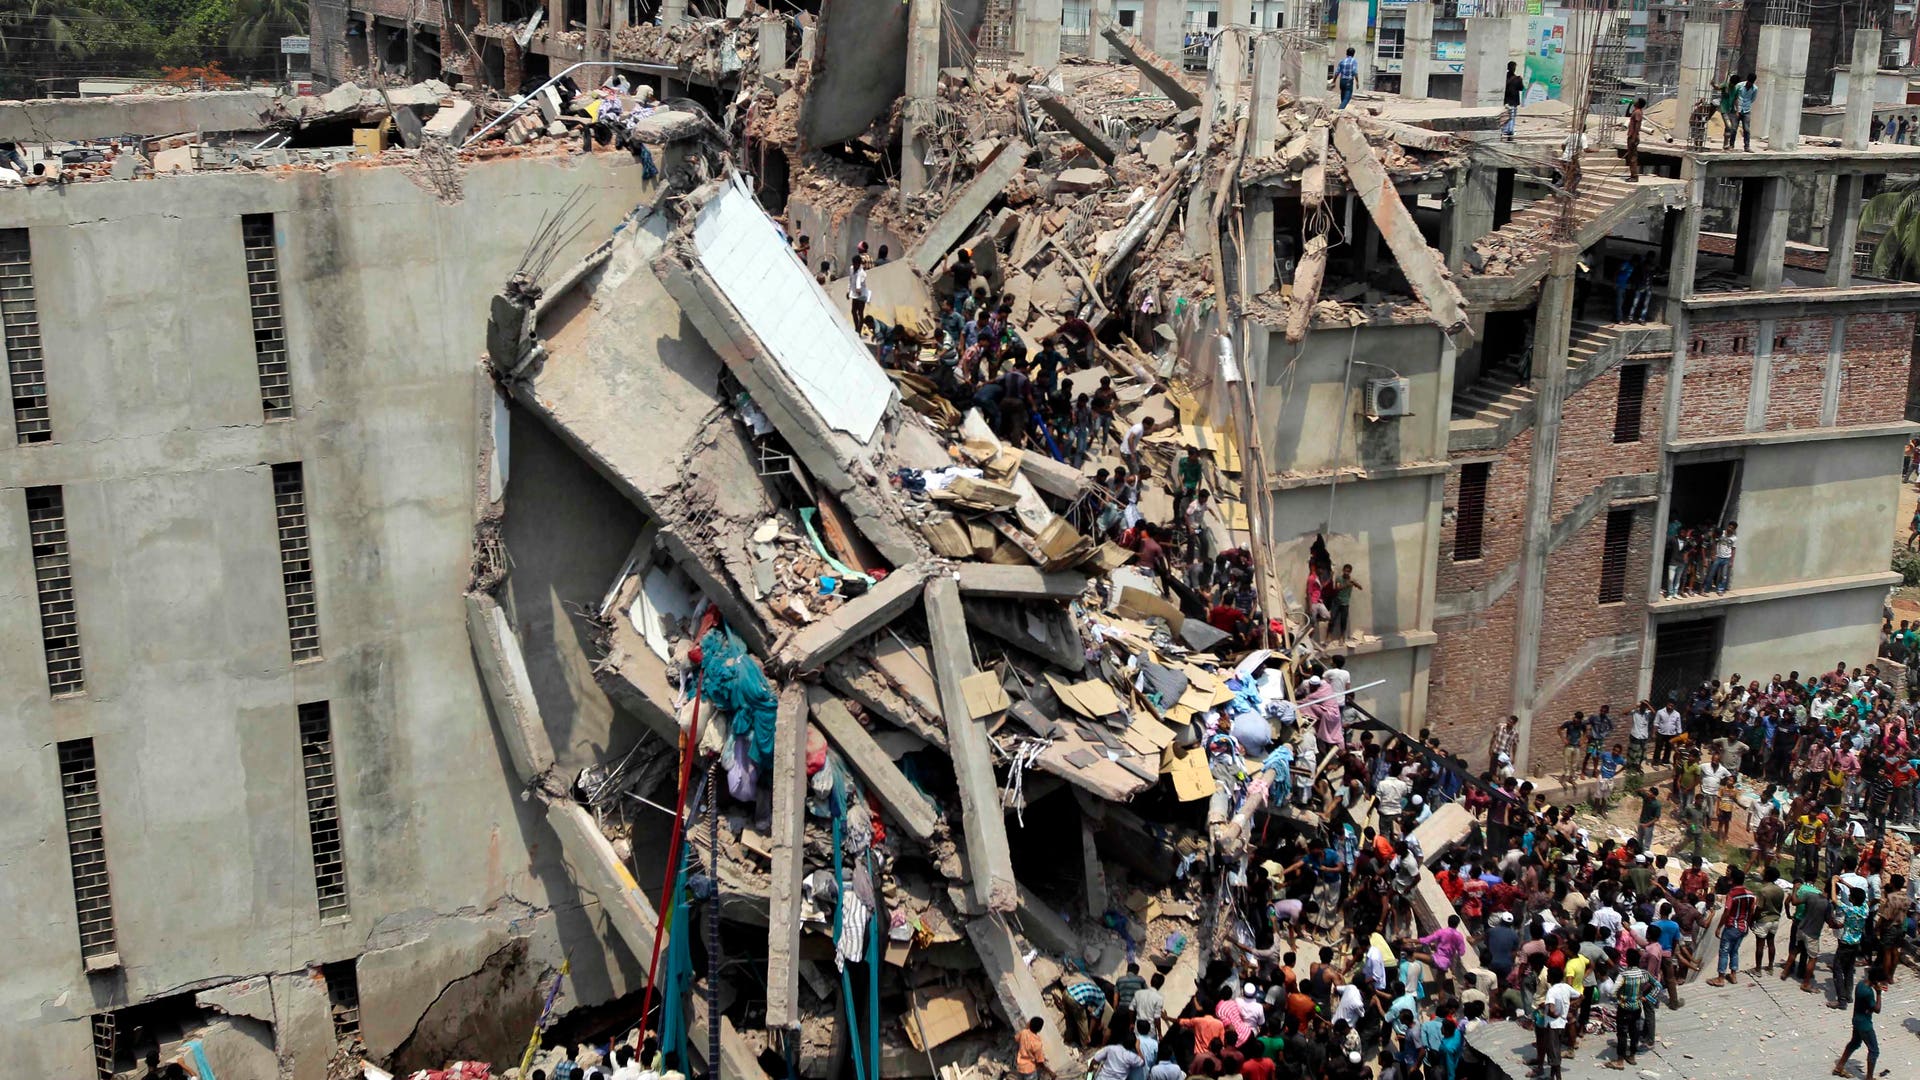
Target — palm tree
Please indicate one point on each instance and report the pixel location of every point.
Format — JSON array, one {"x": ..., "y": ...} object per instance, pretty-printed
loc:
[
  {"x": 259, "y": 24},
  {"x": 31, "y": 28},
  {"x": 1894, "y": 213}
]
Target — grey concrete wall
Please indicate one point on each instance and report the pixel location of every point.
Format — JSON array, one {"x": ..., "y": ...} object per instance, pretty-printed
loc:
[
  {"x": 191, "y": 697},
  {"x": 1381, "y": 527},
  {"x": 1301, "y": 402},
  {"x": 1811, "y": 510},
  {"x": 55, "y": 119},
  {"x": 1802, "y": 633}
]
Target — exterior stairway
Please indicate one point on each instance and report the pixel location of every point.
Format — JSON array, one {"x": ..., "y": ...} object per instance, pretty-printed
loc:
[
  {"x": 1496, "y": 406},
  {"x": 1515, "y": 255}
]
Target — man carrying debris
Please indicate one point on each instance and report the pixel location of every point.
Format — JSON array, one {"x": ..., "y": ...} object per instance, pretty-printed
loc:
[{"x": 1348, "y": 72}]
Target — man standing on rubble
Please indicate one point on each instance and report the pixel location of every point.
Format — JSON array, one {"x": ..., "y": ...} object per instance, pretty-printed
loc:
[
  {"x": 1348, "y": 72},
  {"x": 1633, "y": 139},
  {"x": 1516, "y": 86},
  {"x": 1030, "y": 1054}
]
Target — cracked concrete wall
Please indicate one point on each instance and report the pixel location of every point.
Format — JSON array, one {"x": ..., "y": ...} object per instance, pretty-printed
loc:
[{"x": 191, "y": 697}]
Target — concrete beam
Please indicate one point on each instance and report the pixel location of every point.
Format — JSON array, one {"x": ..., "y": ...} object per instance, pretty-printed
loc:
[
  {"x": 966, "y": 205},
  {"x": 1263, "y": 118},
  {"x": 597, "y": 869},
  {"x": 903, "y": 802},
  {"x": 1424, "y": 268},
  {"x": 1044, "y": 928},
  {"x": 1019, "y": 582},
  {"x": 1094, "y": 876},
  {"x": 1015, "y": 989},
  {"x": 1055, "y": 478},
  {"x": 68, "y": 119},
  {"x": 993, "y": 885},
  {"x": 857, "y": 620},
  {"x": 1064, "y": 114},
  {"x": 503, "y": 670},
  {"x": 789, "y": 862},
  {"x": 1861, "y": 76},
  {"x": 1416, "y": 59},
  {"x": 1155, "y": 68},
  {"x": 923, "y": 90}
]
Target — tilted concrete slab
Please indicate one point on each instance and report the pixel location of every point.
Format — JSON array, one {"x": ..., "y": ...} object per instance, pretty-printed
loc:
[
  {"x": 856, "y": 620},
  {"x": 966, "y": 205},
  {"x": 503, "y": 670},
  {"x": 596, "y": 869},
  {"x": 1080, "y": 127},
  {"x": 1015, "y": 990},
  {"x": 1044, "y": 927},
  {"x": 1156, "y": 69},
  {"x": 1019, "y": 582},
  {"x": 992, "y": 884},
  {"x": 835, "y": 458},
  {"x": 903, "y": 802},
  {"x": 1425, "y": 268},
  {"x": 789, "y": 850},
  {"x": 75, "y": 120}
]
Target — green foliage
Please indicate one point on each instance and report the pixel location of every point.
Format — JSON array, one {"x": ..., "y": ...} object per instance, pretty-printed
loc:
[
  {"x": 1908, "y": 564},
  {"x": 1896, "y": 209},
  {"x": 45, "y": 44}
]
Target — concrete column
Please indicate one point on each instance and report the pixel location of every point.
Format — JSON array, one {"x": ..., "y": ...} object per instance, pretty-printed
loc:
[
  {"x": 773, "y": 44},
  {"x": 1576, "y": 73},
  {"x": 1844, "y": 229},
  {"x": 1259, "y": 254},
  {"x": 1236, "y": 13},
  {"x": 1306, "y": 71},
  {"x": 1552, "y": 322},
  {"x": 672, "y": 12},
  {"x": 1043, "y": 33},
  {"x": 1782, "y": 70},
  {"x": 556, "y": 20},
  {"x": 1264, "y": 119},
  {"x": 809, "y": 35},
  {"x": 1471, "y": 216},
  {"x": 1100, "y": 13},
  {"x": 1699, "y": 60},
  {"x": 1162, "y": 32},
  {"x": 1351, "y": 33},
  {"x": 1483, "y": 79},
  {"x": 1861, "y": 77},
  {"x": 1416, "y": 61},
  {"x": 1225, "y": 76},
  {"x": 923, "y": 91},
  {"x": 1773, "y": 214}
]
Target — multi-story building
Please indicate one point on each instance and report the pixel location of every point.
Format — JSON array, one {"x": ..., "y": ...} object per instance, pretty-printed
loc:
[{"x": 251, "y": 789}]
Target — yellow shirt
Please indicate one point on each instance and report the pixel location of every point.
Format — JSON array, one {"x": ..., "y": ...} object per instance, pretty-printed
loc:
[{"x": 1577, "y": 972}]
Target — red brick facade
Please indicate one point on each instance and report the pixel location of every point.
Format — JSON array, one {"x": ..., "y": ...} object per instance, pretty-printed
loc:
[
  {"x": 1587, "y": 454},
  {"x": 1797, "y": 375},
  {"x": 1719, "y": 379},
  {"x": 1878, "y": 350},
  {"x": 1577, "y": 631}
]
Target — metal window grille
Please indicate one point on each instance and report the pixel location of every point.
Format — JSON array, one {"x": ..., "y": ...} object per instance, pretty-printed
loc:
[
  {"x": 105, "y": 1035},
  {"x": 1630, "y": 406},
  {"x": 1613, "y": 557},
  {"x": 1470, "y": 511},
  {"x": 323, "y": 808},
  {"x": 343, "y": 995},
  {"x": 296, "y": 559},
  {"x": 87, "y": 847},
  {"x": 269, "y": 325},
  {"x": 53, "y": 577},
  {"x": 20, "y": 327}
]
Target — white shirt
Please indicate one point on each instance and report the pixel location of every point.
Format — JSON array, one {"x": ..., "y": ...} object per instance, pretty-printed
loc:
[
  {"x": 1132, "y": 438},
  {"x": 1338, "y": 679},
  {"x": 1711, "y": 777},
  {"x": 1640, "y": 721},
  {"x": 1559, "y": 1004},
  {"x": 1607, "y": 919},
  {"x": 1351, "y": 1005},
  {"x": 1667, "y": 721},
  {"x": 857, "y": 286},
  {"x": 1391, "y": 793}
]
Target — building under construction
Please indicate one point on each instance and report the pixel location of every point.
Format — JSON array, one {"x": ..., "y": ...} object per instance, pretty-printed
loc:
[{"x": 510, "y": 546}]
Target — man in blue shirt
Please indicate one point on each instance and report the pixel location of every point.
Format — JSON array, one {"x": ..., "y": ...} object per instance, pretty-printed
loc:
[
  {"x": 1348, "y": 72},
  {"x": 1743, "y": 97}
]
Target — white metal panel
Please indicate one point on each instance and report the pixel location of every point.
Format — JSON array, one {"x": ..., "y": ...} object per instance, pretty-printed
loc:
[{"x": 738, "y": 246}]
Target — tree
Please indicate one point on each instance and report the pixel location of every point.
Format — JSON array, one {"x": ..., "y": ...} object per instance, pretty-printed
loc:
[
  {"x": 34, "y": 34},
  {"x": 260, "y": 24},
  {"x": 1895, "y": 213}
]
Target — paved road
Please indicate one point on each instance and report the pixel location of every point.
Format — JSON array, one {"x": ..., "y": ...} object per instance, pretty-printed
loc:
[{"x": 1735, "y": 1033}]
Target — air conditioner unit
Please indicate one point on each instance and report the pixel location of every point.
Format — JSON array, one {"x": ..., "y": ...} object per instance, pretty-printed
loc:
[{"x": 1387, "y": 397}]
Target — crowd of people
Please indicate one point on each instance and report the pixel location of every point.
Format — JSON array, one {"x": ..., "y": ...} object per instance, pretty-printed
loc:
[
  {"x": 1582, "y": 937},
  {"x": 1699, "y": 558}
]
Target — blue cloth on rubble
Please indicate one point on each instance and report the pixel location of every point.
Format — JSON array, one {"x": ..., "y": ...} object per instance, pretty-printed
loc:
[{"x": 732, "y": 681}]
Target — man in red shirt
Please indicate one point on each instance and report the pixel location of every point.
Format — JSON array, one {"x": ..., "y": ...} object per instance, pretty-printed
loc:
[{"x": 1736, "y": 917}]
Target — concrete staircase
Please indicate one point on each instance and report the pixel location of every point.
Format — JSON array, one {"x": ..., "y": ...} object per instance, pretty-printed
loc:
[
  {"x": 1498, "y": 404},
  {"x": 1515, "y": 254}
]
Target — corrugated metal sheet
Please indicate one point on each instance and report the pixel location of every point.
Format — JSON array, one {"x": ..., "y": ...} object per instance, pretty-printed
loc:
[{"x": 809, "y": 338}]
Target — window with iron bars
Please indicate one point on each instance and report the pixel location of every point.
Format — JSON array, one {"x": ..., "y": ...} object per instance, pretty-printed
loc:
[
  {"x": 323, "y": 809},
  {"x": 87, "y": 847},
  {"x": 296, "y": 560},
  {"x": 269, "y": 325},
  {"x": 20, "y": 333},
  {"x": 105, "y": 1034},
  {"x": 343, "y": 996},
  {"x": 53, "y": 578}
]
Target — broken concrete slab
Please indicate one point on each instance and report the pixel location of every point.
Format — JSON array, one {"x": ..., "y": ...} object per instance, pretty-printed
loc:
[
  {"x": 1069, "y": 118},
  {"x": 1078, "y": 180},
  {"x": 856, "y": 620},
  {"x": 251, "y": 998},
  {"x": 1048, "y": 633},
  {"x": 789, "y": 817},
  {"x": 1044, "y": 927},
  {"x": 452, "y": 123},
  {"x": 598, "y": 870},
  {"x": 1019, "y": 582},
  {"x": 902, "y": 801},
  {"x": 1156, "y": 69},
  {"x": 1015, "y": 990},
  {"x": 503, "y": 670},
  {"x": 991, "y": 883},
  {"x": 1425, "y": 268},
  {"x": 966, "y": 205}
]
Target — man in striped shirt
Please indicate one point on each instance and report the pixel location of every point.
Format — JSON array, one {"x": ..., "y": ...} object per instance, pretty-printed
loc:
[{"x": 1736, "y": 918}]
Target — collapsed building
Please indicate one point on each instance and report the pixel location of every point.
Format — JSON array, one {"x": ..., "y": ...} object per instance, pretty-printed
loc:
[{"x": 682, "y": 513}]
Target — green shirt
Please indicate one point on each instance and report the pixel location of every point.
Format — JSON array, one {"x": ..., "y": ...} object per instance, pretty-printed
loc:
[
  {"x": 1730, "y": 97},
  {"x": 1189, "y": 472}
]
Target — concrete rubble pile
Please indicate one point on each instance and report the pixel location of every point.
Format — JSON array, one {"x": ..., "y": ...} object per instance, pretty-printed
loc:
[{"x": 907, "y": 668}]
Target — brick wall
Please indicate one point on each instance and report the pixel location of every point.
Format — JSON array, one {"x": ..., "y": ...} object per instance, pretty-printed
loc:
[
  {"x": 1572, "y": 617},
  {"x": 1797, "y": 375},
  {"x": 1873, "y": 375},
  {"x": 1718, "y": 379},
  {"x": 1470, "y": 677},
  {"x": 1505, "y": 523},
  {"x": 1587, "y": 454}
]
